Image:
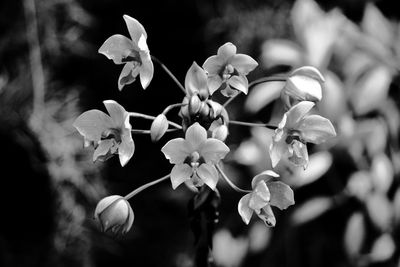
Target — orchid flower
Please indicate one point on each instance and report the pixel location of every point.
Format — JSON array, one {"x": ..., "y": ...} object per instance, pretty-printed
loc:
[
  {"x": 195, "y": 158},
  {"x": 134, "y": 53},
  {"x": 266, "y": 193},
  {"x": 296, "y": 129},
  {"x": 109, "y": 134},
  {"x": 227, "y": 70}
]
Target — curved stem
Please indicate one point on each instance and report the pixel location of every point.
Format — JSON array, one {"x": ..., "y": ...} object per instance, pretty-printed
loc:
[
  {"x": 231, "y": 184},
  {"x": 145, "y": 186},
  {"x": 169, "y": 73},
  {"x": 149, "y": 117},
  {"x": 138, "y": 131},
  {"x": 269, "y": 126},
  {"x": 168, "y": 109},
  {"x": 258, "y": 81}
]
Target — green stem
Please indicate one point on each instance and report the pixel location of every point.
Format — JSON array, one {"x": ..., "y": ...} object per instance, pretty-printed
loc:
[
  {"x": 269, "y": 126},
  {"x": 169, "y": 73},
  {"x": 138, "y": 131},
  {"x": 258, "y": 81},
  {"x": 168, "y": 109},
  {"x": 149, "y": 117},
  {"x": 230, "y": 183},
  {"x": 145, "y": 186}
]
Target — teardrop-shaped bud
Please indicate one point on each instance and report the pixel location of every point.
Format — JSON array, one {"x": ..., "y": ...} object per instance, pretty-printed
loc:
[
  {"x": 194, "y": 105},
  {"x": 114, "y": 213},
  {"x": 220, "y": 132},
  {"x": 158, "y": 127},
  {"x": 204, "y": 110}
]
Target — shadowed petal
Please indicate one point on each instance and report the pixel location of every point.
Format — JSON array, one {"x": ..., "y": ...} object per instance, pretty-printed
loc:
[
  {"x": 146, "y": 71},
  {"x": 239, "y": 83},
  {"x": 116, "y": 48},
  {"x": 128, "y": 74},
  {"x": 103, "y": 148},
  {"x": 243, "y": 63},
  {"x": 267, "y": 216},
  {"x": 281, "y": 195},
  {"x": 277, "y": 151},
  {"x": 195, "y": 136},
  {"x": 179, "y": 174},
  {"x": 213, "y": 150},
  {"x": 243, "y": 208},
  {"x": 135, "y": 29},
  {"x": 176, "y": 150},
  {"x": 195, "y": 80},
  {"x": 117, "y": 113},
  {"x": 213, "y": 65},
  {"x": 126, "y": 148},
  {"x": 299, "y": 154},
  {"x": 297, "y": 112},
  {"x": 260, "y": 196},
  {"x": 316, "y": 129},
  {"x": 208, "y": 174},
  {"x": 91, "y": 124},
  {"x": 214, "y": 83},
  {"x": 226, "y": 51}
]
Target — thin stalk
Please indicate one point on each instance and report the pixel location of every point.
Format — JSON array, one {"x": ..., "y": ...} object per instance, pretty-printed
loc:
[
  {"x": 138, "y": 131},
  {"x": 258, "y": 81},
  {"x": 168, "y": 109},
  {"x": 269, "y": 126},
  {"x": 230, "y": 183},
  {"x": 169, "y": 73},
  {"x": 145, "y": 186},
  {"x": 149, "y": 117}
]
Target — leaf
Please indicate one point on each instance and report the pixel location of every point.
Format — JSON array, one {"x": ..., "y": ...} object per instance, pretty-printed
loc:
[
  {"x": 318, "y": 164},
  {"x": 354, "y": 234},
  {"x": 382, "y": 172},
  {"x": 380, "y": 210},
  {"x": 383, "y": 248},
  {"x": 371, "y": 90},
  {"x": 311, "y": 209},
  {"x": 259, "y": 237},
  {"x": 227, "y": 250},
  {"x": 376, "y": 25},
  {"x": 360, "y": 185},
  {"x": 281, "y": 195},
  {"x": 281, "y": 52},
  {"x": 261, "y": 95}
]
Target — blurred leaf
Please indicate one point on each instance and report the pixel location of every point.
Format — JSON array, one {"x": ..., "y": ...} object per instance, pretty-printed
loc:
[
  {"x": 375, "y": 24},
  {"x": 281, "y": 52},
  {"x": 382, "y": 172},
  {"x": 380, "y": 210},
  {"x": 359, "y": 184},
  {"x": 227, "y": 250},
  {"x": 261, "y": 95},
  {"x": 304, "y": 12},
  {"x": 354, "y": 234},
  {"x": 259, "y": 237},
  {"x": 357, "y": 63},
  {"x": 318, "y": 164},
  {"x": 311, "y": 209},
  {"x": 396, "y": 206},
  {"x": 383, "y": 248},
  {"x": 371, "y": 90}
]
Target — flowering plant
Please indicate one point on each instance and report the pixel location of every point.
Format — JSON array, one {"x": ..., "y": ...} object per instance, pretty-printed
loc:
[{"x": 198, "y": 157}]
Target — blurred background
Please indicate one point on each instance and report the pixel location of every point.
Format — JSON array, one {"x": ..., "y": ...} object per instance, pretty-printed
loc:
[{"x": 347, "y": 210}]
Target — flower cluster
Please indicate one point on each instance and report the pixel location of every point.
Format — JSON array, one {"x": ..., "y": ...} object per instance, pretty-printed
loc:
[{"x": 197, "y": 155}]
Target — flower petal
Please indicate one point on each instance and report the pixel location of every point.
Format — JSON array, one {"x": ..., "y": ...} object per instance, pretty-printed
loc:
[
  {"x": 264, "y": 176},
  {"x": 195, "y": 136},
  {"x": 176, "y": 150},
  {"x": 180, "y": 173},
  {"x": 316, "y": 129},
  {"x": 226, "y": 51},
  {"x": 243, "y": 208},
  {"x": 146, "y": 70},
  {"x": 214, "y": 83},
  {"x": 297, "y": 112},
  {"x": 116, "y": 48},
  {"x": 260, "y": 197},
  {"x": 196, "y": 80},
  {"x": 267, "y": 215},
  {"x": 91, "y": 124},
  {"x": 243, "y": 63},
  {"x": 135, "y": 29},
  {"x": 103, "y": 148},
  {"x": 299, "y": 154},
  {"x": 208, "y": 174},
  {"x": 213, "y": 65},
  {"x": 239, "y": 83},
  {"x": 213, "y": 150},
  {"x": 128, "y": 74},
  {"x": 281, "y": 195},
  {"x": 277, "y": 151},
  {"x": 117, "y": 112},
  {"x": 126, "y": 148}
]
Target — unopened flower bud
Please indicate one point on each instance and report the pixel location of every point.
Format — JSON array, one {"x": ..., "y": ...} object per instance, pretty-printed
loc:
[
  {"x": 114, "y": 213},
  {"x": 204, "y": 110},
  {"x": 216, "y": 109},
  {"x": 194, "y": 105},
  {"x": 304, "y": 84},
  {"x": 158, "y": 127},
  {"x": 220, "y": 133}
]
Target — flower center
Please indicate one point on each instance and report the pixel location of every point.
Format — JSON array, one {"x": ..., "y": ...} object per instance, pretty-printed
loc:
[
  {"x": 293, "y": 135},
  {"x": 112, "y": 133},
  {"x": 194, "y": 160},
  {"x": 228, "y": 71},
  {"x": 133, "y": 57}
]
